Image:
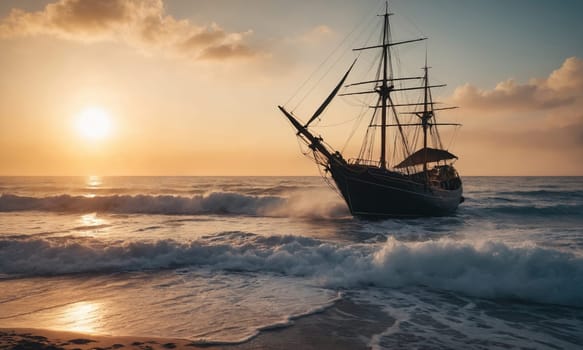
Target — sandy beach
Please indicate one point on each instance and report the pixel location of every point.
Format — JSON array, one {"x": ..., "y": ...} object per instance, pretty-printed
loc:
[
  {"x": 334, "y": 328},
  {"x": 41, "y": 339}
]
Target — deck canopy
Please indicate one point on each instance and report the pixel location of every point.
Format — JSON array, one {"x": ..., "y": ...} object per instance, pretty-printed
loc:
[{"x": 426, "y": 155}]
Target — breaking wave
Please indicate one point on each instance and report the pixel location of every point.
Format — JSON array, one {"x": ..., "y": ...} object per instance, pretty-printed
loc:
[
  {"x": 225, "y": 203},
  {"x": 484, "y": 269}
]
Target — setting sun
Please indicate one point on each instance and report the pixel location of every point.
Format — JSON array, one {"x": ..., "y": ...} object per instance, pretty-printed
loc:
[
  {"x": 275, "y": 174},
  {"x": 93, "y": 123}
]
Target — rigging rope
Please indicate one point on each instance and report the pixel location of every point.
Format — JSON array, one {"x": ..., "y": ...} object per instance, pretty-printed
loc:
[{"x": 327, "y": 59}]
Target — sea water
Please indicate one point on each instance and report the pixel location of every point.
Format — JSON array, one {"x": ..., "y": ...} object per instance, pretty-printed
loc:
[{"x": 221, "y": 259}]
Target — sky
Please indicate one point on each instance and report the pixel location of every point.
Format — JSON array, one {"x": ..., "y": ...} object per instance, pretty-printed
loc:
[{"x": 192, "y": 87}]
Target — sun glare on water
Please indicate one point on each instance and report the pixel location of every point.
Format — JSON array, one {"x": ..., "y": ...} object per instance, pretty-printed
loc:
[{"x": 94, "y": 123}]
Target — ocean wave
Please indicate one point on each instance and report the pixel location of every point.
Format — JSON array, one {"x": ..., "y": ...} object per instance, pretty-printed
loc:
[
  {"x": 483, "y": 269},
  {"x": 540, "y": 211},
  {"x": 544, "y": 193},
  {"x": 225, "y": 203}
]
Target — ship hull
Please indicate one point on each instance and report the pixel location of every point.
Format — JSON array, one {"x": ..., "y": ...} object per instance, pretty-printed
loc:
[{"x": 371, "y": 192}]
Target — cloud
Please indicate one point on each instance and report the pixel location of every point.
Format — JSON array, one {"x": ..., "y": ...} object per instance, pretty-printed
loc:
[
  {"x": 530, "y": 126},
  {"x": 563, "y": 87},
  {"x": 551, "y": 138},
  {"x": 565, "y": 118},
  {"x": 316, "y": 35},
  {"x": 569, "y": 77},
  {"x": 142, "y": 24}
]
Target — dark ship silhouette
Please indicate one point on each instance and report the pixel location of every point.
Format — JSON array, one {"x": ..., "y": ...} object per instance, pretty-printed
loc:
[{"x": 424, "y": 182}]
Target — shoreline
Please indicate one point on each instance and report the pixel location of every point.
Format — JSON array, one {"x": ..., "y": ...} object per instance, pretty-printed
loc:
[
  {"x": 45, "y": 339},
  {"x": 343, "y": 326}
]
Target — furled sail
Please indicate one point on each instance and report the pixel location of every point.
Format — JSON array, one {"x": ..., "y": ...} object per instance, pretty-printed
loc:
[
  {"x": 426, "y": 155},
  {"x": 330, "y": 97}
]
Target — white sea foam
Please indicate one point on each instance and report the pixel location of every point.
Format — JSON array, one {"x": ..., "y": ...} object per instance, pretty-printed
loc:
[
  {"x": 295, "y": 204},
  {"x": 225, "y": 287},
  {"x": 485, "y": 269},
  {"x": 445, "y": 320}
]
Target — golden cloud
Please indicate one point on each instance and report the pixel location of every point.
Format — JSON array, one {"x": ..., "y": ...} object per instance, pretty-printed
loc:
[
  {"x": 143, "y": 24},
  {"x": 563, "y": 87},
  {"x": 530, "y": 126}
]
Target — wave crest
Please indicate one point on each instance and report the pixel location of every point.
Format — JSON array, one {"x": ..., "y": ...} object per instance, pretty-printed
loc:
[
  {"x": 225, "y": 203},
  {"x": 487, "y": 269}
]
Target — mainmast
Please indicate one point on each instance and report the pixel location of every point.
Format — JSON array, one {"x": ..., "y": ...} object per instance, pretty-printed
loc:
[
  {"x": 385, "y": 89},
  {"x": 384, "y": 86}
]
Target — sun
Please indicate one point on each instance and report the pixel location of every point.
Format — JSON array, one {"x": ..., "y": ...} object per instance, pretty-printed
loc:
[{"x": 93, "y": 123}]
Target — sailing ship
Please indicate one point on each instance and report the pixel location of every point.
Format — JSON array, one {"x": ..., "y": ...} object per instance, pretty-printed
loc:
[{"x": 420, "y": 179}]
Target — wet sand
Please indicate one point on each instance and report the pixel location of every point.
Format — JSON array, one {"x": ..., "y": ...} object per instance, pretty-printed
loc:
[
  {"x": 343, "y": 326},
  {"x": 40, "y": 339}
]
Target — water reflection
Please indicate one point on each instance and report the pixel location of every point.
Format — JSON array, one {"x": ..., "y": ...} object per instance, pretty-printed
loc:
[
  {"x": 94, "y": 181},
  {"x": 90, "y": 225},
  {"x": 91, "y": 220},
  {"x": 83, "y": 317}
]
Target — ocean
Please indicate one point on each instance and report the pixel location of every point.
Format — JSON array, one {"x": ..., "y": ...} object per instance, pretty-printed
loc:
[{"x": 224, "y": 259}]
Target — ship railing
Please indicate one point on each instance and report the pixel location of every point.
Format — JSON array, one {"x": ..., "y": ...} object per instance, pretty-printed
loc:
[{"x": 366, "y": 162}]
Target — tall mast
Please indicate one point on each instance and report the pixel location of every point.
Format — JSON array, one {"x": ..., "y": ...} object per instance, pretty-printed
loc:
[
  {"x": 386, "y": 86},
  {"x": 385, "y": 90},
  {"x": 426, "y": 114}
]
